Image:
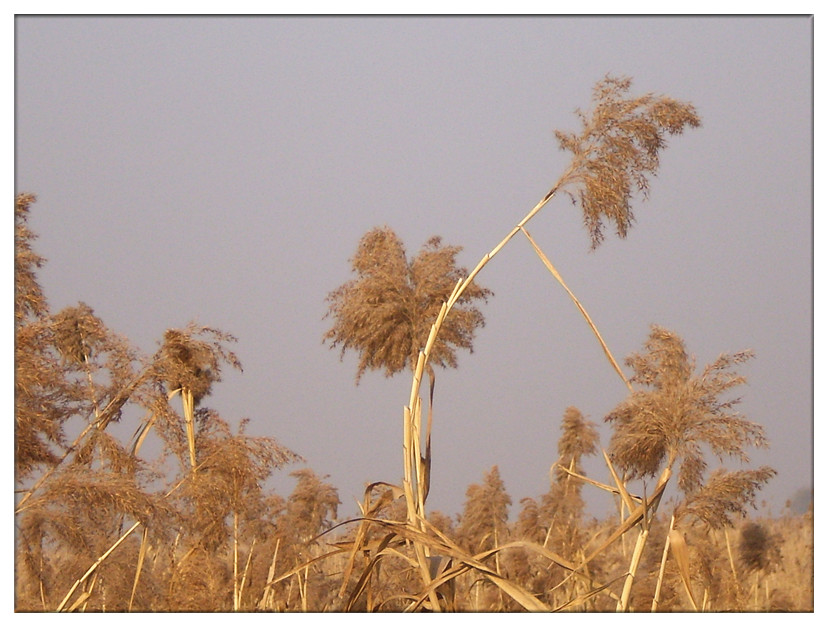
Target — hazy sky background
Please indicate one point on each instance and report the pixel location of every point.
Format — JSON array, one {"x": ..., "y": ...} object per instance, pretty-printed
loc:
[{"x": 223, "y": 170}]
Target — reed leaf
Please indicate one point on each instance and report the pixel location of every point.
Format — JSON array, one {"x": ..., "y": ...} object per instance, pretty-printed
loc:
[{"x": 678, "y": 547}]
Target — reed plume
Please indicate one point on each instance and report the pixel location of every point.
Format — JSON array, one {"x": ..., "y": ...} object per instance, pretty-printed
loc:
[
  {"x": 617, "y": 152},
  {"x": 677, "y": 411},
  {"x": 385, "y": 313}
]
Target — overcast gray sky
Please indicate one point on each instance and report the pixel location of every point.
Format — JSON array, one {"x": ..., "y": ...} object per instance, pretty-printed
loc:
[{"x": 223, "y": 170}]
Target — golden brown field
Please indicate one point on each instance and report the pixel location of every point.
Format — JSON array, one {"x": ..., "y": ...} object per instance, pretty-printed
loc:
[{"x": 102, "y": 525}]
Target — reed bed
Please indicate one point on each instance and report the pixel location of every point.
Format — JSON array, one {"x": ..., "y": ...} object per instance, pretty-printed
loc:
[{"x": 95, "y": 532}]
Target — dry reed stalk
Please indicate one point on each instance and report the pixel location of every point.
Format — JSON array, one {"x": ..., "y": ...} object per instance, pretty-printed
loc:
[
  {"x": 188, "y": 405},
  {"x": 266, "y": 601},
  {"x": 414, "y": 467},
  {"x": 303, "y": 588},
  {"x": 730, "y": 555},
  {"x": 235, "y": 560},
  {"x": 660, "y": 579},
  {"x": 97, "y": 563},
  {"x": 142, "y": 552},
  {"x": 624, "y": 602},
  {"x": 244, "y": 574}
]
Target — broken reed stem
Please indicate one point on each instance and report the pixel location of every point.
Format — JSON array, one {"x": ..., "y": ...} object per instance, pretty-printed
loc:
[
  {"x": 580, "y": 307},
  {"x": 412, "y": 462}
]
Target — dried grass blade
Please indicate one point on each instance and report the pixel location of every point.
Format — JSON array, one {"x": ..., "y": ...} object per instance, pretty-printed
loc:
[
  {"x": 141, "y": 434},
  {"x": 678, "y": 547},
  {"x": 369, "y": 568},
  {"x": 587, "y": 595},
  {"x": 84, "y": 596},
  {"x": 293, "y": 571},
  {"x": 622, "y": 490},
  {"x": 597, "y": 484}
]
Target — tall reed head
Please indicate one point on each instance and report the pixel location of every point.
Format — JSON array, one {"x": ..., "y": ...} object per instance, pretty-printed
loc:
[
  {"x": 187, "y": 361},
  {"x": 77, "y": 332},
  {"x": 579, "y": 437},
  {"x": 617, "y": 151}
]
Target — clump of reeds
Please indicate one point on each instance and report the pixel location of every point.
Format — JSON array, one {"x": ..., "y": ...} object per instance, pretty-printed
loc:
[
  {"x": 670, "y": 421},
  {"x": 618, "y": 149}
]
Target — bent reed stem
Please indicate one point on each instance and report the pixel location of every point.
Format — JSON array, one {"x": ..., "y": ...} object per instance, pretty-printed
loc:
[{"x": 413, "y": 464}]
